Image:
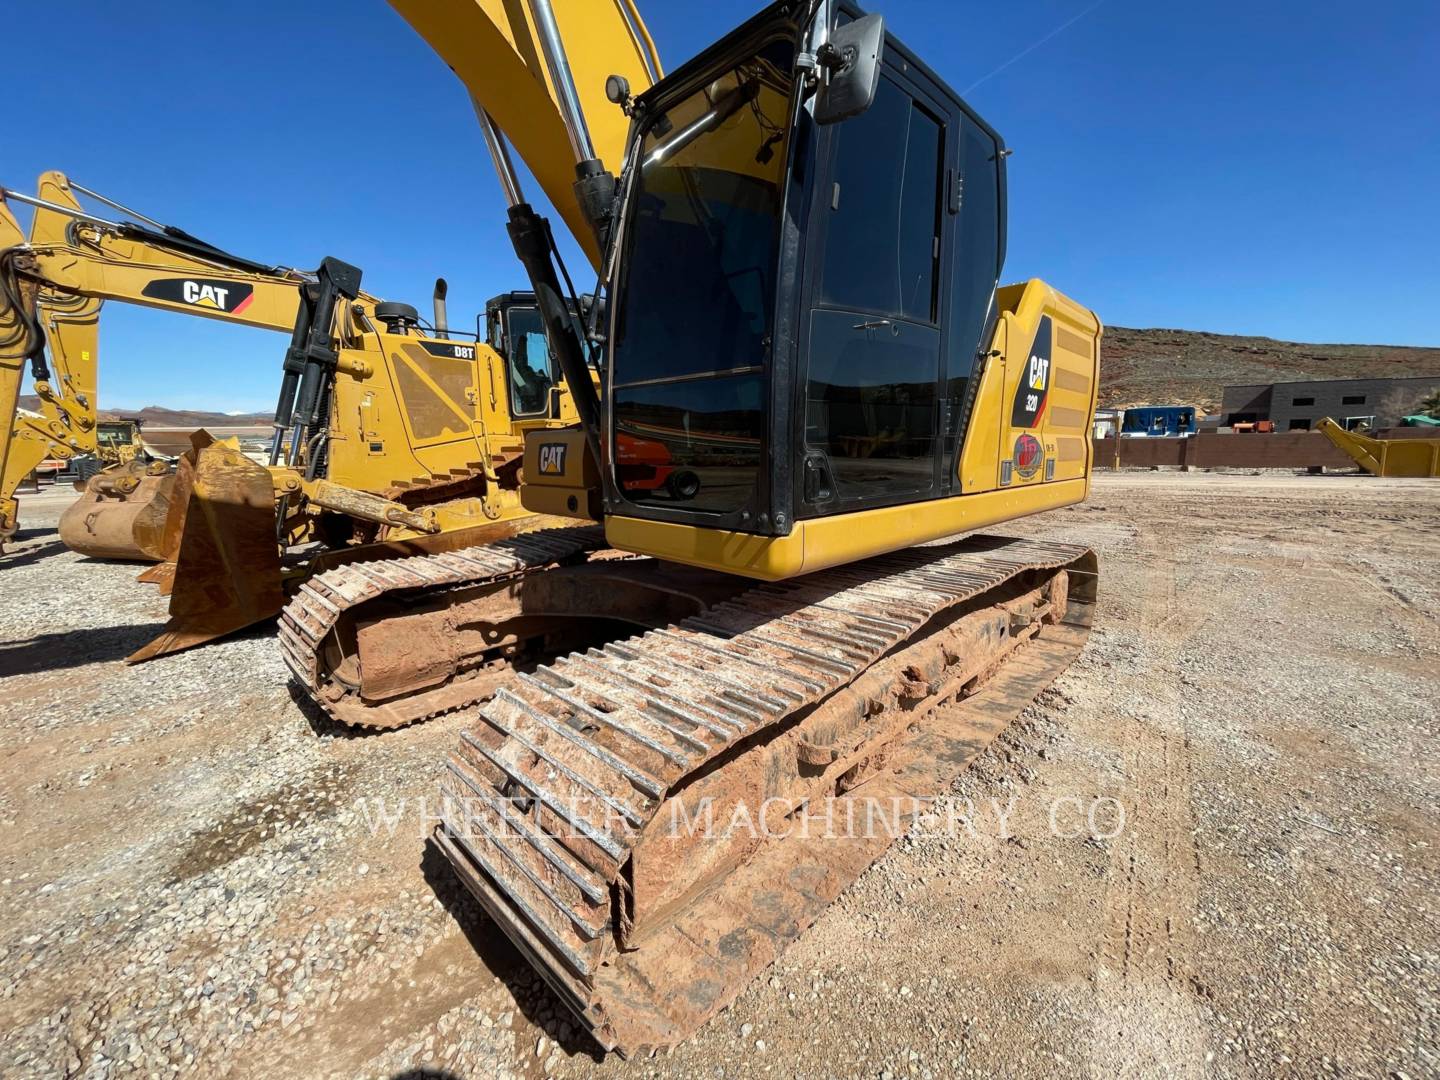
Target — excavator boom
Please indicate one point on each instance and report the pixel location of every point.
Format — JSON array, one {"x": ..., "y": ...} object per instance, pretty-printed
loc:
[
  {"x": 555, "y": 120},
  {"x": 55, "y": 283}
]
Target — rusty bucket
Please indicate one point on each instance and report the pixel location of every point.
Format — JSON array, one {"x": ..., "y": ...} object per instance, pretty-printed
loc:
[
  {"x": 121, "y": 513},
  {"x": 227, "y": 567}
]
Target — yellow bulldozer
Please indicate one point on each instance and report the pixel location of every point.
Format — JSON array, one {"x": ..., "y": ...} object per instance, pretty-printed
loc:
[
  {"x": 812, "y": 382},
  {"x": 117, "y": 442},
  {"x": 386, "y": 432}
]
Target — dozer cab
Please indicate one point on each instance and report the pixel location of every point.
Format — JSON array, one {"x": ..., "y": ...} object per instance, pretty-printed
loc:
[
  {"x": 117, "y": 442},
  {"x": 800, "y": 252},
  {"x": 124, "y": 496}
]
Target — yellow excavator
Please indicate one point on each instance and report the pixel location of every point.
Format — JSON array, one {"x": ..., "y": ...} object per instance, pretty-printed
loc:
[
  {"x": 812, "y": 382},
  {"x": 405, "y": 433}
]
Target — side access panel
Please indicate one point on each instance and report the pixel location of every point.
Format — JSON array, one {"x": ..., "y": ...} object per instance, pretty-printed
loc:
[{"x": 1036, "y": 401}]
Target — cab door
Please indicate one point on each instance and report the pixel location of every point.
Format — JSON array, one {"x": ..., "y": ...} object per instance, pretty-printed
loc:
[
  {"x": 530, "y": 370},
  {"x": 871, "y": 324}
]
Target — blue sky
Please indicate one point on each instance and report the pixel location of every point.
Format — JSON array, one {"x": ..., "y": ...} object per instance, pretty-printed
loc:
[{"x": 1262, "y": 168}]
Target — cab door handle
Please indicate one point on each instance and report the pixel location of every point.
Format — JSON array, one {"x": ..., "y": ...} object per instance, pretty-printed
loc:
[{"x": 878, "y": 324}]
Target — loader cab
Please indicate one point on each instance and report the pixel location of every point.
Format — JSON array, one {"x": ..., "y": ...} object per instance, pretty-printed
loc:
[
  {"x": 798, "y": 308},
  {"x": 514, "y": 329}
]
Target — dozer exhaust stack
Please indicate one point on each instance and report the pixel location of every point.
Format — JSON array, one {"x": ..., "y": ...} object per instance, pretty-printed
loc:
[{"x": 442, "y": 317}]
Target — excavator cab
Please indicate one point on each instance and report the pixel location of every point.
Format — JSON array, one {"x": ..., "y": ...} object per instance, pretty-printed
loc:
[{"x": 804, "y": 315}]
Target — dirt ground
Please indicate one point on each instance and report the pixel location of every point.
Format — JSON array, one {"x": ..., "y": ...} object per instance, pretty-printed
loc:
[{"x": 1211, "y": 849}]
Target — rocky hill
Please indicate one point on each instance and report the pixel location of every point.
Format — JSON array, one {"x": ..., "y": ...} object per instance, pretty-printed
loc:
[
  {"x": 161, "y": 417},
  {"x": 1188, "y": 367}
]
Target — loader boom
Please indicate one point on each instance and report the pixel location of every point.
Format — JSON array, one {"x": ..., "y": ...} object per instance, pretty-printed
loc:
[
  {"x": 1384, "y": 457},
  {"x": 54, "y": 286}
]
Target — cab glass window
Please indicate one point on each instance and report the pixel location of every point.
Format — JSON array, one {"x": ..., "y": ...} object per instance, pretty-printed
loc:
[
  {"x": 530, "y": 370},
  {"x": 695, "y": 309},
  {"x": 874, "y": 348}
]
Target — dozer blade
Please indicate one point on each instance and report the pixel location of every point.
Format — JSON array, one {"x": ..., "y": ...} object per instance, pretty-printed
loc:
[
  {"x": 652, "y": 822},
  {"x": 227, "y": 569},
  {"x": 163, "y": 575},
  {"x": 121, "y": 513}
]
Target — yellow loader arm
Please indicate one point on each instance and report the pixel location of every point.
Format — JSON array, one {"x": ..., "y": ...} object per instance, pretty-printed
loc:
[
  {"x": 1385, "y": 457},
  {"x": 496, "y": 47},
  {"x": 13, "y": 336},
  {"x": 51, "y": 291}
]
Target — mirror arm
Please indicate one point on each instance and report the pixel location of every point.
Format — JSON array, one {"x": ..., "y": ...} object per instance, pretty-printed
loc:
[{"x": 831, "y": 58}]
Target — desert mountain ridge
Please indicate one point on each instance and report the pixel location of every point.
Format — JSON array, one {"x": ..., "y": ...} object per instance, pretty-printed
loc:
[
  {"x": 1192, "y": 367},
  {"x": 161, "y": 417},
  {"x": 1155, "y": 366}
]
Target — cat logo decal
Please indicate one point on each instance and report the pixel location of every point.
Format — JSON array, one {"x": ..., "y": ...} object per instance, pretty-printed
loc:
[
  {"x": 552, "y": 459},
  {"x": 1034, "y": 388}
]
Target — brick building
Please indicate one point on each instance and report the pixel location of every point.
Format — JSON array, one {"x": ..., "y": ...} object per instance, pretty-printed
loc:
[{"x": 1295, "y": 406}]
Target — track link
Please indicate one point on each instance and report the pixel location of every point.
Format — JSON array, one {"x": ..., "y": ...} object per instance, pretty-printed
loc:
[
  {"x": 546, "y": 800},
  {"x": 323, "y": 601}
]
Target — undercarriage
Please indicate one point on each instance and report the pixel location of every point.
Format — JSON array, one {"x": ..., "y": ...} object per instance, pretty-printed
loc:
[{"x": 673, "y": 771}]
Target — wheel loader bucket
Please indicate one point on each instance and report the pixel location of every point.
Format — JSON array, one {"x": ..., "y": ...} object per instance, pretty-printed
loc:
[
  {"x": 121, "y": 513},
  {"x": 227, "y": 569}
]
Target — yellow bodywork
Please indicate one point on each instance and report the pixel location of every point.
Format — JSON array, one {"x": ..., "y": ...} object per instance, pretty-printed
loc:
[
  {"x": 412, "y": 420},
  {"x": 402, "y": 416},
  {"x": 492, "y": 46},
  {"x": 1385, "y": 457},
  {"x": 561, "y": 478},
  {"x": 818, "y": 543},
  {"x": 1005, "y": 471},
  {"x": 71, "y": 268},
  {"x": 1064, "y": 428}
]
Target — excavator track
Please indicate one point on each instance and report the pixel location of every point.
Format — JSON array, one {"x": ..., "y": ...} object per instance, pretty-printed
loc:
[
  {"x": 321, "y": 603},
  {"x": 559, "y": 806}
]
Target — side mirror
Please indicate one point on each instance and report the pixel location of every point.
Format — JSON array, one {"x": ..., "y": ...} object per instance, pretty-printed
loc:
[{"x": 852, "y": 60}]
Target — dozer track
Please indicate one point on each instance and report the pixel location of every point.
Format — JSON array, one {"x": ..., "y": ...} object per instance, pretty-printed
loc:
[
  {"x": 569, "y": 808},
  {"x": 316, "y": 614}
]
